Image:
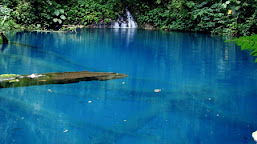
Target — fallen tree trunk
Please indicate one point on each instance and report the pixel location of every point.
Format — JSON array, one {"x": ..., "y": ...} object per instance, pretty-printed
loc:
[{"x": 56, "y": 78}]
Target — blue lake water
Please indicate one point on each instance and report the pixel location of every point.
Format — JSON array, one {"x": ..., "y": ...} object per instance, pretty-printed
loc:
[{"x": 207, "y": 89}]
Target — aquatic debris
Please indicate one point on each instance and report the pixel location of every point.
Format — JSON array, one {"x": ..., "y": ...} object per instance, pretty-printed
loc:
[
  {"x": 157, "y": 90},
  {"x": 50, "y": 90},
  {"x": 34, "y": 76},
  {"x": 65, "y": 131},
  {"x": 254, "y": 135},
  {"x": 123, "y": 82},
  {"x": 124, "y": 120},
  {"x": 22, "y": 117},
  {"x": 89, "y": 101}
]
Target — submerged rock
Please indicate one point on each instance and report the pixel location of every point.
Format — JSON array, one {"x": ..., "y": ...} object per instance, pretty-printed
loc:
[{"x": 56, "y": 78}]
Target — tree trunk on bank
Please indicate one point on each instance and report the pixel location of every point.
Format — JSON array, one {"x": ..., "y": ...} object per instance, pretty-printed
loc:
[{"x": 4, "y": 38}]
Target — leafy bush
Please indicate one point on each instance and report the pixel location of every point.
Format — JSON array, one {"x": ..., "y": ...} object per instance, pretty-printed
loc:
[{"x": 52, "y": 14}]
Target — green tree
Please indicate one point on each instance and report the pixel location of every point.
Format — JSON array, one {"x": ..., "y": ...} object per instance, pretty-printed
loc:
[{"x": 4, "y": 15}]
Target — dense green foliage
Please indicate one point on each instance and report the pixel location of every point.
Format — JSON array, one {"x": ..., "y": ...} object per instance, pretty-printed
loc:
[
  {"x": 248, "y": 43},
  {"x": 234, "y": 17},
  {"x": 5, "y": 21},
  {"x": 52, "y": 14}
]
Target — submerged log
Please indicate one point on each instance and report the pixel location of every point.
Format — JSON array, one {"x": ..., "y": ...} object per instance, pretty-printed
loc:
[{"x": 56, "y": 78}]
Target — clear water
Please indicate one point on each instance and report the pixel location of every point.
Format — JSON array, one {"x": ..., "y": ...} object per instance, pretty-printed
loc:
[{"x": 208, "y": 89}]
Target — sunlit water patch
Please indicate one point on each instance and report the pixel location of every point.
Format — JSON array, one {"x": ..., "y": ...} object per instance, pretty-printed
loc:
[{"x": 182, "y": 88}]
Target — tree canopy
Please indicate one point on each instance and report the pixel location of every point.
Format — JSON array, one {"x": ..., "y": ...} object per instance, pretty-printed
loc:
[{"x": 234, "y": 17}]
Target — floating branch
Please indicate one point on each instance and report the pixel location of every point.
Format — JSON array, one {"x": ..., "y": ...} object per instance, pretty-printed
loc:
[{"x": 11, "y": 80}]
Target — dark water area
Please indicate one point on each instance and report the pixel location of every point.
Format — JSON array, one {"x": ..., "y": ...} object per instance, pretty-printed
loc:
[{"x": 182, "y": 88}]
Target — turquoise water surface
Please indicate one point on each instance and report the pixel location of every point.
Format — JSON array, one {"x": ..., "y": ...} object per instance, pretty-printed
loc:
[{"x": 182, "y": 88}]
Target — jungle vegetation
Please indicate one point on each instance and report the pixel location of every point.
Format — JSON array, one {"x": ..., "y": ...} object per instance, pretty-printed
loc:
[
  {"x": 234, "y": 17},
  {"x": 224, "y": 17}
]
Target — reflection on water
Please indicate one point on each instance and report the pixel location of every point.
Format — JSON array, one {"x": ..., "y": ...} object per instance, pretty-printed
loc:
[{"x": 208, "y": 89}]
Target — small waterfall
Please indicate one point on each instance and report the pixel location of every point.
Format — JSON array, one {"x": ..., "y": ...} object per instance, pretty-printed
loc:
[
  {"x": 126, "y": 21},
  {"x": 115, "y": 25},
  {"x": 129, "y": 21},
  {"x": 123, "y": 25}
]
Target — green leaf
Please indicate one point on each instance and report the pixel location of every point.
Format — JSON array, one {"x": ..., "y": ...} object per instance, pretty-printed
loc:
[
  {"x": 255, "y": 54},
  {"x": 2, "y": 23},
  {"x": 55, "y": 20},
  {"x": 61, "y": 11},
  {"x": 248, "y": 42},
  {"x": 237, "y": 7},
  {"x": 62, "y": 17},
  {"x": 59, "y": 21},
  {"x": 56, "y": 12}
]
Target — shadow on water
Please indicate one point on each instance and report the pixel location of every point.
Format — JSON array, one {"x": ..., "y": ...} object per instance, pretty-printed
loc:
[{"x": 3, "y": 47}]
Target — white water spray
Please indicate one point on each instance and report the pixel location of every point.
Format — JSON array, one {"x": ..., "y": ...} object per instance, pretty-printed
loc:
[{"x": 129, "y": 21}]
